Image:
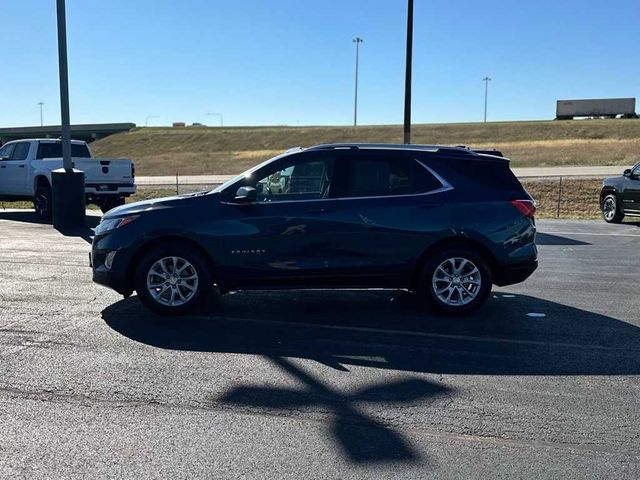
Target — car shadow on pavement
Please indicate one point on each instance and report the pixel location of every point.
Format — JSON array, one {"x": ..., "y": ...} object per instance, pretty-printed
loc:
[
  {"x": 29, "y": 216},
  {"x": 512, "y": 335},
  {"x": 548, "y": 239}
]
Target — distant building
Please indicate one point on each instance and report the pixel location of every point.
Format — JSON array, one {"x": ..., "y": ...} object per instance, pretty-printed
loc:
[{"x": 179, "y": 124}]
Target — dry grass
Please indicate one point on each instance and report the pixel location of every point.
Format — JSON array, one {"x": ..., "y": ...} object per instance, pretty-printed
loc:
[
  {"x": 202, "y": 150},
  {"x": 579, "y": 197}
]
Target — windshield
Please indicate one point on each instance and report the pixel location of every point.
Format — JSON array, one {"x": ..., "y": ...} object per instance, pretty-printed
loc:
[{"x": 246, "y": 174}]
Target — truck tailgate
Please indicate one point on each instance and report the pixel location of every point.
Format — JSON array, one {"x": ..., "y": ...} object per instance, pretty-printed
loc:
[{"x": 107, "y": 171}]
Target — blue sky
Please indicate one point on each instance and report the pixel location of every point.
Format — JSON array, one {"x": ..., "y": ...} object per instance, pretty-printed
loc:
[{"x": 291, "y": 62}]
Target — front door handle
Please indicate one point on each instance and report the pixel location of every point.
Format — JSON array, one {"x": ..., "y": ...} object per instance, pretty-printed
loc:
[
  {"x": 3, "y": 166},
  {"x": 20, "y": 166}
]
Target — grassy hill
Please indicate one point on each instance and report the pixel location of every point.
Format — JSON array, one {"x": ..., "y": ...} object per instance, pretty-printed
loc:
[{"x": 213, "y": 150}]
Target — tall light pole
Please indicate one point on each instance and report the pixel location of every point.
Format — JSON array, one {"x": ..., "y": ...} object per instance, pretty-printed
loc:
[
  {"x": 486, "y": 81},
  {"x": 41, "y": 121},
  {"x": 149, "y": 117},
  {"x": 357, "y": 41},
  {"x": 407, "y": 78},
  {"x": 219, "y": 115},
  {"x": 67, "y": 192}
]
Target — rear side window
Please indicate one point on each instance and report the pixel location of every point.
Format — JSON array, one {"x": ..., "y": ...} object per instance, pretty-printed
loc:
[
  {"x": 21, "y": 151},
  {"x": 478, "y": 173},
  {"x": 380, "y": 176},
  {"x": 54, "y": 150}
]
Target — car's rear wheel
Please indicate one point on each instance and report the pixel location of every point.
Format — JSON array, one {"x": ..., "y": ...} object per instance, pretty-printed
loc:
[
  {"x": 173, "y": 279},
  {"x": 611, "y": 211},
  {"x": 42, "y": 202},
  {"x": 456, "y": 281}
]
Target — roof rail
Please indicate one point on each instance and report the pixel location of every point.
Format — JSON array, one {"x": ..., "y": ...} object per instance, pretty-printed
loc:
[{"x": 412, "y": 146}]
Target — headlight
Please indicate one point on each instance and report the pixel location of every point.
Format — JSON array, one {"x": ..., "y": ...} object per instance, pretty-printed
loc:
[{"x": 108, "y": 224}]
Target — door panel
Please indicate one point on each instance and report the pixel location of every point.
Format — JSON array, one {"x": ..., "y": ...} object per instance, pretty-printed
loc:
[
  {"x": 5, "y": 156},
  {"x": 18, "y": 170},
  {"x": 387, "y": 215},
  {"x": 379, "y": 240},
  {"x": 280, "y": 240},
  {"x": 286, "y": 236}
]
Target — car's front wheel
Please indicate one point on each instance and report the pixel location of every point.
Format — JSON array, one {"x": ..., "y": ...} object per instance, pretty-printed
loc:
[
  {"x": 173, "y": 279},
  {"x": 456, "y": 280},
  {"x": 611, "y": 211}
]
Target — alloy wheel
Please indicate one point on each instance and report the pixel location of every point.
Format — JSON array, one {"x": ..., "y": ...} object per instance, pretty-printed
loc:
[
  {"x": 456, "y": 281},
  {"x": 172, "y": 281},
  {"x": 609, "y": 208}
]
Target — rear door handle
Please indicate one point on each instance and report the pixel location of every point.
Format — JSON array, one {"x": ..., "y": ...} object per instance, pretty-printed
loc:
[
  {"x": 3, "y": 166},
  {"x": 20, "y": 166}
]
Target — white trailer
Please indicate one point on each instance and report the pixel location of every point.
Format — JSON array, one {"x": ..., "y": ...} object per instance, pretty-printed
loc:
[{"x": 600, "y": 107}]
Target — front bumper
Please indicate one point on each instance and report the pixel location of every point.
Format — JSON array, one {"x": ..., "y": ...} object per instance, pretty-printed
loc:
[
  {"x": 114, "y": 278},
  {"x": 512, "y": 274}
]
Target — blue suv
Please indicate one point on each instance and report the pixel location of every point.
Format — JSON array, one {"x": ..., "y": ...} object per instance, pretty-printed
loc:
[{"x": 444, "y": 222}]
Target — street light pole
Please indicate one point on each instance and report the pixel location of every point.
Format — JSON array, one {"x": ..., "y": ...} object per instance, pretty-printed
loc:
[
  {"x": 41, "y": 121},
  {"x": 408, "y": 72},
  {"x": 64, "y": 86},
  {"x": 486, "y": 81},
  {"x": 357, "y": 41},
  {"x": 217, "y": 115},
  {"x": 146, "y": 119},
  {"x": 67, "y": 195}
]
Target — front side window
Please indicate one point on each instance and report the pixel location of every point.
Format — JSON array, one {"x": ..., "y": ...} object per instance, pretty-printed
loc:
[
  {"x": 373, "y": 177},
  {"x": 306, "y": 180},
  {"x": 6, "y": 151},
  {"x": 20, "y": 151},
  {"x": 636, "y": 171}
]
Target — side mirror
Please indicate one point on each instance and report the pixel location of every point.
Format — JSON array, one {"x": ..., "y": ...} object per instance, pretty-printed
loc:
[
  {"x": 246, "y": 195},
  {"x": 627, "y": 172}
]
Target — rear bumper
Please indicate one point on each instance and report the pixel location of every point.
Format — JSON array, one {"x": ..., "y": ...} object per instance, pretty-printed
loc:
[
  {"x": 511, "y": 274},
  {"x": 109, "y": 189}
]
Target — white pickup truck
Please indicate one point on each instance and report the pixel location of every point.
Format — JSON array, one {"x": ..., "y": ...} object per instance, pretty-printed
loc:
[{"x": 26, "y": 166}]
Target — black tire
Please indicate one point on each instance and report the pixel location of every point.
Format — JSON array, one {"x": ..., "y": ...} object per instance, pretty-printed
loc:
[
  {"x": 111, "y": 203},
  {"x": 201, "y": 289},
  {"x": 42, "y": 202},
  {"x": 611, "y": 216},
  {"x": 462, "y": 299}
]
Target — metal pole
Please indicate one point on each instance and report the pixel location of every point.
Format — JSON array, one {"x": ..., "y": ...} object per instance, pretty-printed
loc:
[
  {"x": 217, "y": 115},
  {"x": 559, "y": 197},
  {"x": 64, "y": 86},
  {"x": 407, "y": 80},
  {"x": 357, "y": 41},
  {"x": 486, "y": 81},
  {"x": 41, "y": 121}
]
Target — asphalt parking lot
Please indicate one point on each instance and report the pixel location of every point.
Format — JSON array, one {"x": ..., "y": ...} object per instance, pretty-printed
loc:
[{"x": 542, "y": 383}]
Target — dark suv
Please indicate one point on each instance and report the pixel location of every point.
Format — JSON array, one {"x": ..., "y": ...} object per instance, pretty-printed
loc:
[
  {"x": 444, "y": 222},
  {"x": 620, "y": 196}
]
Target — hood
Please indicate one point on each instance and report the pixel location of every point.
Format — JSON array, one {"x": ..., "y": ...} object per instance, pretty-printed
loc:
[{"x": 155, "y": 204}]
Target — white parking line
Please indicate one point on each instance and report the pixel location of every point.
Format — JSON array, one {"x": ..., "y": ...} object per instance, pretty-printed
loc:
[{"x": 592, "y": 234}]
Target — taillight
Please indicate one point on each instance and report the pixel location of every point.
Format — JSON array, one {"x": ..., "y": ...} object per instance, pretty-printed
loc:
[
  {"x": 526, "y": 207},
  {"x": 133, "y": 171}
]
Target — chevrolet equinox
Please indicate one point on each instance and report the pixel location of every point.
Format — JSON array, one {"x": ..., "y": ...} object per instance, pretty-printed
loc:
[{"x": 444, "y": 222}]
